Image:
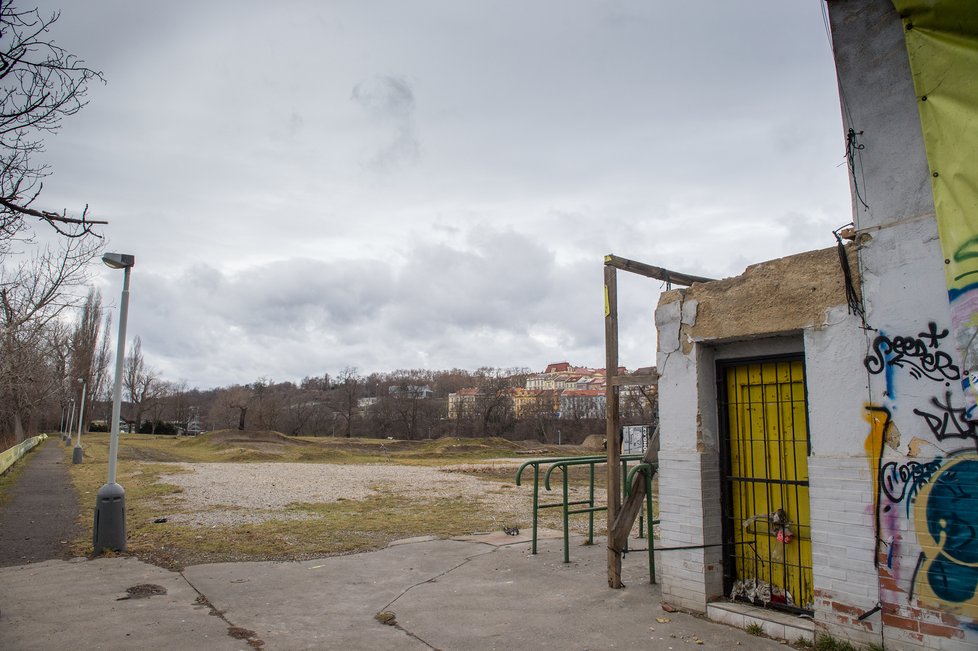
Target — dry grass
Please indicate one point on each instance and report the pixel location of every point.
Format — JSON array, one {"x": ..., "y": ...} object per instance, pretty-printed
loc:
[{"x": 346, "y": 526}]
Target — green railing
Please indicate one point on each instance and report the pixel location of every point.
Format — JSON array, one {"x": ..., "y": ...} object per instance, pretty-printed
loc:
[
  {"x": 10, "y": 456},
  {"x": 587, "y": 505},
  {"x": 649, "y": 469}
]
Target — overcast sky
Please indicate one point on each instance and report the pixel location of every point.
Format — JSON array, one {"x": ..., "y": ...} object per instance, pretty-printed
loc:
[{"x": 312, "y": 185}]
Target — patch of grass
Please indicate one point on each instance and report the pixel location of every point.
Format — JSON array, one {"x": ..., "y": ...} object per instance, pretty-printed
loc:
[
  {"x": 230, "y": 445},
  {"x": 754, "y": 629},
  {"x": 828, "y": 643},
  {"x": 335, "y": 528},
  {"x": 345, "y": 526}
]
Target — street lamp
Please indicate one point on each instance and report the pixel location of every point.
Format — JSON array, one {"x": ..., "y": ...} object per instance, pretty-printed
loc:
[
  {"x": 66, "y": 435},
  {"x": 77, "y": 454},
  {"x": 109, "y": 530}
]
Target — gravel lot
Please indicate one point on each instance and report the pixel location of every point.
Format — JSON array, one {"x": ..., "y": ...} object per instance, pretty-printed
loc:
[{"x": 217, "y": 494}]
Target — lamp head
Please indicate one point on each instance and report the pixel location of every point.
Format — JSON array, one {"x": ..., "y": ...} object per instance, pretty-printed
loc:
[{"x": 119, "y": 260}]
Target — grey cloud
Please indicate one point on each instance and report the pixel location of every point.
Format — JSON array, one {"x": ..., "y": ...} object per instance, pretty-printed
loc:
[
  {"x": 301, "y": 316},
  {"x": 385, "y": 97},
  {"x": 695, "y": 136},
  {"x": 389, "y": 101}
]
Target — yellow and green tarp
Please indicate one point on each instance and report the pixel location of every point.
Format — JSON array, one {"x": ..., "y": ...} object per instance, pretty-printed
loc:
[{"x": 942, "y": 43}]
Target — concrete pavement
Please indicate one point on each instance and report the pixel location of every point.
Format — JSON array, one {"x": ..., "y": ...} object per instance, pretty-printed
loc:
[{"x": 442, "y": 594}]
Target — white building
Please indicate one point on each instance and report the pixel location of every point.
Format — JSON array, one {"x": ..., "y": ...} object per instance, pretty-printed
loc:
[{"x": 814, "y": 458}]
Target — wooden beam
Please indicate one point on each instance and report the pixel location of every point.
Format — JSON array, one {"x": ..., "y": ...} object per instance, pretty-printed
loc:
[
  {"x": 659, "y": 273},
  {"x": 613, "y": 416},
  {"x": 622, "y": 526}
]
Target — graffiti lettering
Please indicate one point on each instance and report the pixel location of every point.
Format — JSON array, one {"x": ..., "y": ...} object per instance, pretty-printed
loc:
[
  {"x": 899, "y": 481},
  {"x": 919, "y": 354},
  {"x": 948, "y": 422}
]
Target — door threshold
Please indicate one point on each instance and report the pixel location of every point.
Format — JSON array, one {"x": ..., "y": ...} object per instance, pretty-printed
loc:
[{"x": 776, "y": 624}]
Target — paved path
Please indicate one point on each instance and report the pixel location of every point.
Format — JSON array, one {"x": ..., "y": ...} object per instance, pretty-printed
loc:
[
  {"x": 38, "y": 521},
  {"x": 450, "y": 595}
]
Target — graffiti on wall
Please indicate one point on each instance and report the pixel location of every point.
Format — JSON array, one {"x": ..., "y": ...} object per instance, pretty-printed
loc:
[
  {"x": 933, "y": 496},
  {"x": 919, "y": 354},
  {"x": 946, "y": 523},
  {"x": 946, "y": 421},
  {"x": 901, "y": 482}
]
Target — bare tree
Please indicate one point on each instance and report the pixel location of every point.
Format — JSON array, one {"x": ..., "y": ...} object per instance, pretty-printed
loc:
[
  {"x": 177, "y": 402},
  {"x": 99, "y": 388},
  {"x": 494, "y": 404},
  {"x": 268, "y": 403},
  {"x": 157, "y": 406},
  {"x": 408, "y": 405},
  {"x": 346, "y": 395},
  {"x": 230, "y": 408},
  {"x": 540, "y": 413},
  {"x": 33, "y": 295},
  {"x": 40, "y": 85},
  {"x": 235, "y": 402},
  {"x": 140, "y": 382},
  {"x": 85, "y": 339},
  {"x": 305, "y": 412}
]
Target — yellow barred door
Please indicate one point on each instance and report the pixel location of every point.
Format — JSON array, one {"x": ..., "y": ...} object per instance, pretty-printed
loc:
[{"x": 767, "y": 522}]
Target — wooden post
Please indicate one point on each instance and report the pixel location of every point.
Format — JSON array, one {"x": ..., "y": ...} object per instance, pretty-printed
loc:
[
  {"x": 618, "y": 535},
  {"x": 612, "y": 441}
]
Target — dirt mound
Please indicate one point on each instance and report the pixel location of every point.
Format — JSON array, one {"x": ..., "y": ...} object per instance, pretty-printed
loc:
[
  {"x": 594, "y": 442},
  {"x": 237, "y": 437},
  {"x": 452, "y": 444}
]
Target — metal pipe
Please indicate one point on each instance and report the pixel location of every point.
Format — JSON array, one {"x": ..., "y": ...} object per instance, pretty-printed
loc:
[
  {"x": 536, "y": 504},
  {"x": 566, "y": 517},
  {"x": 76, "y": 456},
  {"x": 117, "y": 391},
  {"x": 71, "y": 424},
  {"x": 590, "y": 517}
]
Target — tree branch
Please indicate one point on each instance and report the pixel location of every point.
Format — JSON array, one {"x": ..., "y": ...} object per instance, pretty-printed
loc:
[{"x": 54, "y": 219}]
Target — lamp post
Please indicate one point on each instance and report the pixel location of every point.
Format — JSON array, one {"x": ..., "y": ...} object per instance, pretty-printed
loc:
[
  {"x": 77, "y": 453},
  {"x": 66, "y": 436},
  {"x": 109, "y": 530}
]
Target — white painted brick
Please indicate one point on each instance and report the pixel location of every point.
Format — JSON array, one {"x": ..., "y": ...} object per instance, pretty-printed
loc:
[
  {"x": 830, "y": 572},
  {"x": 840, "y": 494},
  {"x": 832, "y": 551},
  {"x": 853, "y": 589},
  {"x": 688, "y": 598},
  {"x": 843, "y": 517},
  {"x": 841, "y": 541},
  {"x": 692, "y": 530},
  {"x": 969, "y": 643}
]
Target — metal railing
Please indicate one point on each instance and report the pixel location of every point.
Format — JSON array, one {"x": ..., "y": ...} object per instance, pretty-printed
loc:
[
  {"x": 586, "y": 505},
  {"x": 649, "y": 469}
]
